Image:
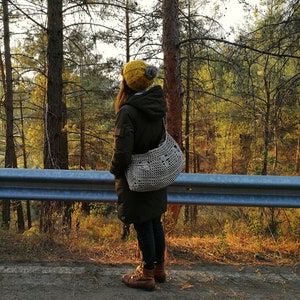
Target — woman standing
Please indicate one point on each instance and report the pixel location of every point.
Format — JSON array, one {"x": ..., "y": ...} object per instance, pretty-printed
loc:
[{"x": 139, "y": 127}]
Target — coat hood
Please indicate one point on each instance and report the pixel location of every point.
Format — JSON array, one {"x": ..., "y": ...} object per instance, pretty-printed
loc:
[{"x": 151, "y": 102}]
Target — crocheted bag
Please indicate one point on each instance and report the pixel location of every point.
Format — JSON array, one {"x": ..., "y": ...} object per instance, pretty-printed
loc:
[{"x": 157, "y": 168}]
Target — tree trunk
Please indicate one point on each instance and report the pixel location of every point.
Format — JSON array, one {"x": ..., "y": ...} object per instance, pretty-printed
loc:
[
  {"x": 172, "y": 82},
  {"x": 85, "y": 206},
  {"x": 53, "y": 150},
  {"x": 53, "y": 114},
  {"x": 20, "y": 216},
  {"x": 82, "y": 136},
  {"x": 187, "y": 112},
  {"x": 127, "y": 31},
  {"x": 67, "y": 206},
  {"x": 24, "y": 154},
  {"x": 240, "y": 166},
  {"x": 188, "y": 97},
  {"x": 266, "y": 123},
  {"x": 5, "y": 202},
  {"x": 10, "y": 153}
]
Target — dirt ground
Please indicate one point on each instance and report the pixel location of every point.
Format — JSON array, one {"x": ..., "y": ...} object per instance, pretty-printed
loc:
[{"x": 90, "y": 281}]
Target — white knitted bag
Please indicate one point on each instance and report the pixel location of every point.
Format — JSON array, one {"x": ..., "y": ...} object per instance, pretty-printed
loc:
[{"x": 157, "y": 168}]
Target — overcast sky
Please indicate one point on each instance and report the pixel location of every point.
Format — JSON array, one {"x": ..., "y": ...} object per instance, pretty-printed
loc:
[{"x": 232, "y": 10}]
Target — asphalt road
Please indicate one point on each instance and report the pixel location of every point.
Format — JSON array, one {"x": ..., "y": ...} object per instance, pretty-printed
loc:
[{"x": 85, "y": 281}]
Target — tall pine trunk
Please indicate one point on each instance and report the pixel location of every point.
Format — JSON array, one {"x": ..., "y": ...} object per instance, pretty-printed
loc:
[
  {"x": 172, "y": 82},
  {"x": 10, "y": 152},
  {"x": 53, "y": 114}
]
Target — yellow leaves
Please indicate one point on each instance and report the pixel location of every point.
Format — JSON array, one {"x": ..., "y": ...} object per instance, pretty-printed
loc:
[
  {"x": 70, "y": 128},
  {"x": 35, "y": 144},
  {"x": 38, "y": 94},
  {"x": 260, "y": 73},
  {"x": 216, "y": 7},
  {"x": 255, "y": 13},
  {"x": 35, "y": 132}
]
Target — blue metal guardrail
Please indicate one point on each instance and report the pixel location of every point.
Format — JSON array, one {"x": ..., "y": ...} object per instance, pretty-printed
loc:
[{"x": 205, "y": 189}]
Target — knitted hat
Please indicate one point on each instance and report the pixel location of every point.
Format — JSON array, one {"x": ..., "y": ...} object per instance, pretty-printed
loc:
[{"x": 138, "y": 75}]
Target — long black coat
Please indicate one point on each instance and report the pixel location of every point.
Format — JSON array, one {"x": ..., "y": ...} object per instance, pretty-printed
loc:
[{"x": 138, "y": 128}]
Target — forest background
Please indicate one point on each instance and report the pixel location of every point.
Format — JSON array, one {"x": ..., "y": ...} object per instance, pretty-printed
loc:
[{"x": 233, "y": 106}]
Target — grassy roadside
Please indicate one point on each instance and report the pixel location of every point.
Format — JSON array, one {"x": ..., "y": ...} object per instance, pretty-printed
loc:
[{"x": 79, "y": 247}]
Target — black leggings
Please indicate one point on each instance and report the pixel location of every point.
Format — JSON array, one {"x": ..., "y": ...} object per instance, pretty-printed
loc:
[{"x": 151, "y": 239}]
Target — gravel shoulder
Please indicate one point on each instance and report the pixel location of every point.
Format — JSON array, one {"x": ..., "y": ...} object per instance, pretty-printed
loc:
[{"x": 99, "y": 281}]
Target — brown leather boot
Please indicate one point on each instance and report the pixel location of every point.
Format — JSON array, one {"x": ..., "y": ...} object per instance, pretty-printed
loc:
[
  {"x": 159, "y": 272},
  {"x": 143, "y": 279}
]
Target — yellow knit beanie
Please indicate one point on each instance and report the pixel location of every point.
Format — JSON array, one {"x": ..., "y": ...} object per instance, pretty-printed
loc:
[{"x": 139, "y": 75}]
